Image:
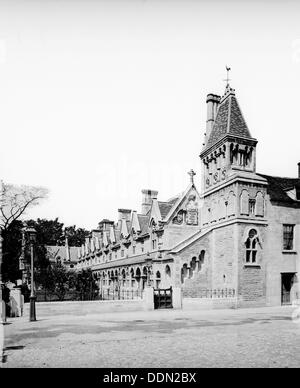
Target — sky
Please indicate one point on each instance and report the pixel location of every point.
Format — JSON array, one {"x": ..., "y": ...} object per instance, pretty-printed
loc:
[{"x": 101, "y": 99}]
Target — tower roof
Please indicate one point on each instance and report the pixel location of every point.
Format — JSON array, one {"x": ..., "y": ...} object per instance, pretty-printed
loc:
[{"x": 229, "y": 119}]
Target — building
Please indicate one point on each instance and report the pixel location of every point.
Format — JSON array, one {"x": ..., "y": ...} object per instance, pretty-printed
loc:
[
  {"x": 239, "y": 236},
  {"x": 63, "y": 254}
]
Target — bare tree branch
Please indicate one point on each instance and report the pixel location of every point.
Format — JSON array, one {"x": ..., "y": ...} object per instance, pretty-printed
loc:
[{"x": 17, "y": 199}]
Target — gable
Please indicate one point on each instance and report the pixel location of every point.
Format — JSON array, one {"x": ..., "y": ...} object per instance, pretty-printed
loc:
[{"x": 186, "y": 209}]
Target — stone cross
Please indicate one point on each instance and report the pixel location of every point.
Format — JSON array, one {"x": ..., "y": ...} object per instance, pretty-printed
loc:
[{"x": 192, "y": 174}]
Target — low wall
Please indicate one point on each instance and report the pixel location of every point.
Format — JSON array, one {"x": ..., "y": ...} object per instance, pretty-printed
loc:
[
  {"x": 208, "y": 303},
  {"x": 86, "y": 307}
]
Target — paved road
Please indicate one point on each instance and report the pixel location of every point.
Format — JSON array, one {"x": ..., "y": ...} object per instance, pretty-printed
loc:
[{"x": 261, "y": 337}]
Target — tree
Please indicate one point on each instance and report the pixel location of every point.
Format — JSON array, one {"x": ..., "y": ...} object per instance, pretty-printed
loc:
[
  {"x": 12, "y": 246},
  {"x": 60, "y": 280},
  {"x": 85, "y": 284},
  {"x": 49, "y": 232},
  {"x": 76, "y": 237},
  {"x": 15, "y": 200}
]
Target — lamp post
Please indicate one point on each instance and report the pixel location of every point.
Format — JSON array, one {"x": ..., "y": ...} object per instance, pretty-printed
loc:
[{"x": 32, "y": 238}]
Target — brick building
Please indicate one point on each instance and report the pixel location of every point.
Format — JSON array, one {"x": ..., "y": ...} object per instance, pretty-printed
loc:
[{"x": 239, "y": 235}]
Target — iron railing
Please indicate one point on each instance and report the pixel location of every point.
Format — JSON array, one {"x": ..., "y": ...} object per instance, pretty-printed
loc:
[
  {"x": 216, "y": 293},
  {"x": 109, "y": 294}
]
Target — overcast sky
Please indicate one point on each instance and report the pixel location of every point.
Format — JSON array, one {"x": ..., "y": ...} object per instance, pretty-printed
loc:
[{"x": 100, "y": 99}]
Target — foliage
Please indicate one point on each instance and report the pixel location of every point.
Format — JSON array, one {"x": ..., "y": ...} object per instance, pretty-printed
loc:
[
  {"x": 12, "y": 247},
  {"x": 49, "y": 232},
  {"x": 58, "y": 280},
  {"x": 85, "y": 284},
  {"x": 76, "y": 237}
]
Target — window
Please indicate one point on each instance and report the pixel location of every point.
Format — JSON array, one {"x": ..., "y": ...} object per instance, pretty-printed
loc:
[
  {"x": 122, "y": 253},
  {"x": 244, "y": 202},
  {"x": 133, "y": 249},
  {"x": 251, "y": 247},
  {"x": 154, "y": 244},
  {"x": 288, "y": 237},
  {"x": 252, "y": 206},
  {"x": 110, "y": 255}
]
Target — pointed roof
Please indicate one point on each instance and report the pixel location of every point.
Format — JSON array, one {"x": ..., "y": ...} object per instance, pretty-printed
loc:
[
  {"x": 229, "y": 120},
  {"x": 124, "y": 228},
  {"x": 112, "y": 236},
  {"x": 155, "y": 212},
  {"x": 135, "y": 225}
]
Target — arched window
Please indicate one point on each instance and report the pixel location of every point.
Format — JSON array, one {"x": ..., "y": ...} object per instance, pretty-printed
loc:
[
  {"x": 184, "y": 272},
  {"x": 231, "y": 204},
  {"x": 244, "y": 201},
  {"x": 158, "y": 279},
  {"x": 259, "y": 205},
  {"x": 123, "y": 278},
  {"x": 251, "y": 247},
  {"x": 132, "y": 277},
  {"x": 193, "y": 265},
  {"x": 168, "y": 271},
  {"x": 201, "y": 260}
]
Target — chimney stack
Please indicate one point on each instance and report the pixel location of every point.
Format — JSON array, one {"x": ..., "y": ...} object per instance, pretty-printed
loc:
[
  {"x": 213, "y": 102},
  {"x": 148, "y": 196},
  {"x": 124, "y": 213},
  {"x": 299, "y": 170}
]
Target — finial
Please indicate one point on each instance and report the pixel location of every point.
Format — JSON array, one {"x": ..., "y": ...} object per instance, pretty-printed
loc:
[
  {"x": 227, "y": 78},
  {"x": 192, "y": 174}
]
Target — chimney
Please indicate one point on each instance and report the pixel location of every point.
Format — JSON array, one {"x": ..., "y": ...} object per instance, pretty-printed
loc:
[
  {"x": 104, "y": 225},
  {"x": 299, "y": 170},
  {"x": 67, "y": 249},
  {"x": 124, "y": 213},
  {"x": 212, "y": 101},
  {"x": 148, "y": 196}
]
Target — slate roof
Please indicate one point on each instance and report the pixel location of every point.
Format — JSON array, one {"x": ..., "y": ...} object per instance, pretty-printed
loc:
[
  {"x": 143, "y": 220},
  {"x": 55, "y": 251},
  {"x": 164, "y": 208},
  {"x": 277, "y": 188},
  {"x": 229, "y": 119}
]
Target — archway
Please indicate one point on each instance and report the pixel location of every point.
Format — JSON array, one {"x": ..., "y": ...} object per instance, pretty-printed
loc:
[
  {"x": 138, "y": 276},
  {"x": 184, "y": 273}
]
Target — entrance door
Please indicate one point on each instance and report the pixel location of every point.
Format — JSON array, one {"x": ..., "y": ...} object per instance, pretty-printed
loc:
[{"x": 286, "y": 285}]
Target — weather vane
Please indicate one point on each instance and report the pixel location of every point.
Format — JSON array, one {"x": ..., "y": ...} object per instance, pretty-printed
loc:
[{"x": 227, "y": 78}]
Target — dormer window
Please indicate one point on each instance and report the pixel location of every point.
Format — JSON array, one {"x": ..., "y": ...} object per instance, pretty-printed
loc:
[{"x": 292, "y": 193}]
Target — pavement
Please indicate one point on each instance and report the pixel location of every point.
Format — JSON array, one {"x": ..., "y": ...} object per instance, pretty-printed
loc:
[{"x": 253, "y": 337}]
